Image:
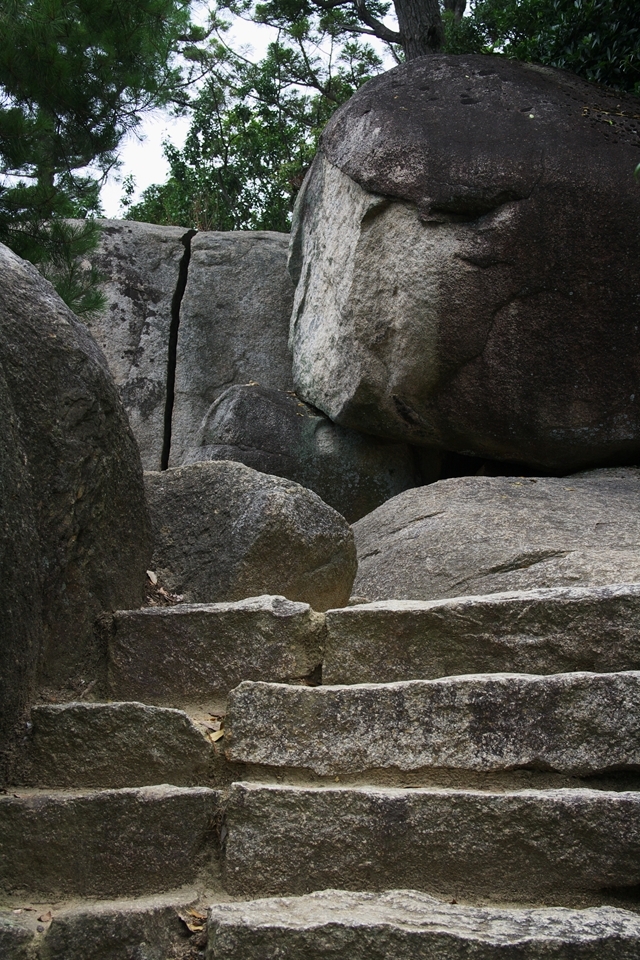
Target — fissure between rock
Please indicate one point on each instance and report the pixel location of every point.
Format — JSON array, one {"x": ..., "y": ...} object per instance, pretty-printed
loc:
[{"x": 176, "y": 302}]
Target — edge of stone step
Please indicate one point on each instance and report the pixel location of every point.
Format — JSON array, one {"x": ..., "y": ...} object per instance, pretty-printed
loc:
[
  {"x": 579, "y": 724},
  {"x": 406, "y": 923},
  {"x": 149, "y": 927},
  {"x": 128, "y": 842},
  {"x": 547, "y": 630},
  {"x": 561, "y": 846},
  {"x": 201, "y": 651},
  {"x": 111, "y": 745}
]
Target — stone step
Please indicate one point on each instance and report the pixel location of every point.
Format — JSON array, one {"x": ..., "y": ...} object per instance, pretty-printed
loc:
[
  {"x": 111, "y": 745},
  {"x": 574, "y": 723},
  {"x": 407, "y": 924},
  {"x": 531, "y": 631},
  {"x": 537, "y": 846},
  {"x": 191, "y": 655},
  {"x": 108, "y": 843},
  {"x": 148, "y": 928}
]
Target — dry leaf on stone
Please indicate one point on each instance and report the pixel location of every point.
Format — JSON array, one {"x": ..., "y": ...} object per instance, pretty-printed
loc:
[
  {"x": 213, "y": 725},
  {"x": 46, "y": 917},
  {"x": 192, "y": 923},
  {"x": 153, "y": 577},
  {"x": 217, "y": 735}
]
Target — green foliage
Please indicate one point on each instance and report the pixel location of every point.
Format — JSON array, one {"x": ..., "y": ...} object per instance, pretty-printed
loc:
[
  {"x": 74, "y": 77},
  {"x": 255, "y": 127},
  {"x": 596, "y": 39}
]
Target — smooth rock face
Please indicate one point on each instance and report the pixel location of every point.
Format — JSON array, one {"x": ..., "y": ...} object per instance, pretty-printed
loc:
[
  {"x": 480, "y": 535},
  {"x": 199, "y": 652},
  {"x": 20, "y": 578},
  {"x": 465, "y": 252},
  {"x": 274, "y": 432},
  {"x": 585, "y": 724},
  {"x": 114, "y": 745},
  {"x": 530, "y": 631},
  {"x": 82, "y": 465},
  {"x": 520, "y": 846},
  {"x": 140, "y": 265},
  {"x": 234, "y": 325},
  {"x": 406, "y": 924},
  {"x": 225, "y": 532},
  {"x": 111, "y": 843}
]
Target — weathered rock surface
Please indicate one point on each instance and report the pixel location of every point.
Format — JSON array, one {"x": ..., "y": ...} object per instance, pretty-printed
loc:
[
  {"x": 480, "y": 535},
  {"x": 520, "y": 846},
  {"x": 113, "y": 745},
  {"x": 234, "y": 324},
  {"x": 20, "y": 578},
  {"x": 529, "y": 631},
  {"x": 16, "y": 938},
  {"x": 201, "y": 651},
  {"x": 405, "y": 924},
  {"x": 585, "y": 723},
  {"x": 274, "y": 432},
  {"x": 111, "y": 843},
  {"x": 150, "y": 929},
  {"x": 83, "y": 468},
  {"x": 140, "y": 265},
  {"x": 225, "y": 532},
  {"x": 465, "y": 253}
]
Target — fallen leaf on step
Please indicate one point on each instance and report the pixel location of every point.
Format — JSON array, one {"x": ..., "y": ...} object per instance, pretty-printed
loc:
[
  {"x": 217, "y": 735},
  {"x": 214, "y": 725},
  {"x": 46, "y": 917},
  {"x": 196, "y": 914},
  {"x": 192, "y": 925},
  {"x": 152, "y": 576}
]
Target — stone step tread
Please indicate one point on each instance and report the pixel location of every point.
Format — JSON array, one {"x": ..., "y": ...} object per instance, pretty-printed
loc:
[
  {"x": 191, "y": 655},
  {"x": 536, "y": 846},
  {"x": 550, "y": 630},
  {"x": 405, "y": 924},
  {"x": 106, "y": 843},
  {"x": 112, "y": 745},
  {"x": 573, "y": 723}
]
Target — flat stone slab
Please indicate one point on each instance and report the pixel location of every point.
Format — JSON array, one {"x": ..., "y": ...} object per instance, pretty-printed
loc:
[
  {"x": 111, "y": 843},
  {"x": 549, "y": 630},
  {"x": 406, "y": 924},
  {"x": 121, "y": 929},
  {"x": 114, "y": 745},
  {"x": 196, "y": 653},
  {"x": 531, "y": 846},
  {"x": 575, "y": 723}
]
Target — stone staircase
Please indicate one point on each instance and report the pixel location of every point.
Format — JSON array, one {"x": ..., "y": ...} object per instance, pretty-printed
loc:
[{"x": 444, "y": 780}]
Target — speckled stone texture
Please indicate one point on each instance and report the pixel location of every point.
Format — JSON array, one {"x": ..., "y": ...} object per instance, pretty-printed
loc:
[
  {"x": 465, "y": 254},
  {"x": 405, "y": 924},
  {"x": 110, "y": 843},
  {"x": 575, "y": 723},
  {"x": 223, "y": 531},
  {"x": 201, "y": 651},
  {"x": 479, "y": 535},
  {"x": 113, "y": 745},
  {"x": 531, "y": 846},
  {"x": 234, "y": 324},
  {"x": 550, "y": 630}
]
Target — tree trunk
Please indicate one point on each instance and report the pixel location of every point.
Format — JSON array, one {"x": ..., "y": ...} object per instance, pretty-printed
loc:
[
  {"x": 457, "y": 7},
  {"x": 420, "y": 26}
]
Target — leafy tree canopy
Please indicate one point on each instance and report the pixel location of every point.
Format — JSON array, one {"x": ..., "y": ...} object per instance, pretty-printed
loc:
[
  {"x": 255, "y": 127},
  {"x": 74, "y": 78}
]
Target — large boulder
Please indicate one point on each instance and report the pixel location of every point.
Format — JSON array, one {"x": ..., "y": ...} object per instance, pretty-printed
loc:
[
  {"x": 465, "y": 250},
  {"x": 234, "y": 325},
  {"x": 274, "y": 432},
  {"x": 75, "y": 519},
  {"x": 225, "y": 532},
  {"x": 143, "y": 270},
  {"x": 482, "y": 535}
]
